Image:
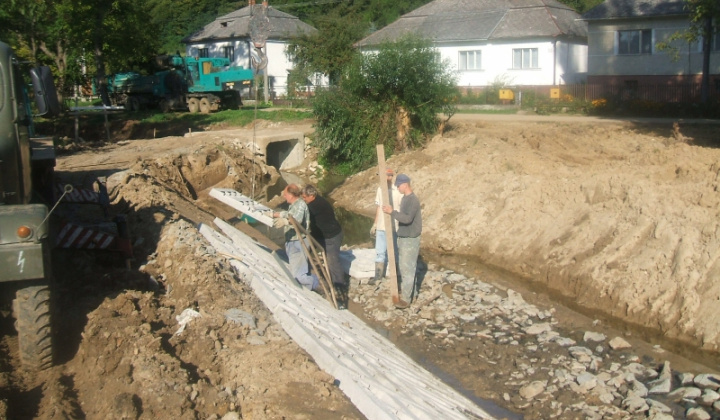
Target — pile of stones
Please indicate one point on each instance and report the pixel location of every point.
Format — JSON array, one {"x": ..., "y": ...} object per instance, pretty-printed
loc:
[{"x": 549, "y": 373}]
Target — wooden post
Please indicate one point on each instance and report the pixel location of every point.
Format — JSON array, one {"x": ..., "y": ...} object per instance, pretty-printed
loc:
[
  {"x": 77, "y": 126},
  {"x": 77, "y": 122},
  {"x": 389, "y": 224},
  {"x": 107, "y": 124}
]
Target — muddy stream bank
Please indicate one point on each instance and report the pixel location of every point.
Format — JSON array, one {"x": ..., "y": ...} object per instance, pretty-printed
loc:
[{"x": 531, "y": 343}]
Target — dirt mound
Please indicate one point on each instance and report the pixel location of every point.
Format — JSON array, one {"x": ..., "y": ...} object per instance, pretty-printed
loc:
[
  {"x": 121, "y": 351},
  {"x": 182, "y": 180},
  {"x": 225, "y": 360},
  {"x": 619, "y": 218}
]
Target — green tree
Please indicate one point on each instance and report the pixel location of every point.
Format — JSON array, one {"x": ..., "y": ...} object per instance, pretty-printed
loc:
[
  {"x": 62, "y": 31},
  {"x": 702, "y": 15},
  {"x": 391, "y": 97},
  {"x": 176, "y": 19},
  {"x": 37, "y": 34},
  {"x": 330, "y": 49},
  {"x": 704, "y": 23},
  {"x": 117, "y": 33}
]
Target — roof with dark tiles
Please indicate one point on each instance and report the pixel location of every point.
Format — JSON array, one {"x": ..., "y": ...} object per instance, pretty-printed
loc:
[
  {"x": 236, "y": 25},
  {"x": 622, "y": 9},
  {"x": 484, "y": 20}
]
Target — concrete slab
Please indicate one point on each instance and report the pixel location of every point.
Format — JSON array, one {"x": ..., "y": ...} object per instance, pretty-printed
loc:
[
  {"x": 359, "y": 263},
  {"x": 379, "y": 379},
  {"x": 244, "y": 204}
]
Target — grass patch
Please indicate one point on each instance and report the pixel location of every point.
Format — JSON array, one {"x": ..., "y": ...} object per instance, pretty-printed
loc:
[
  {"x": 508, "y": 111},
  {"x": 152, "y": 123},
  {"x": 238, "y": 117}
]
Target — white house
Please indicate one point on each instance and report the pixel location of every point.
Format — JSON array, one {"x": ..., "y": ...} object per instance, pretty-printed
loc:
[
  {"x": 230, "y": 36},
  {"x": 623, "y": 38},
  {"x": 516, "y": 42}
]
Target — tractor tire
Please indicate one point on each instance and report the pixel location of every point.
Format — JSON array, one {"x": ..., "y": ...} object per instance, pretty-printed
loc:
[
  {"x": 205, "y": 106},
  {"x": 193, "y": 105},
  {"x": 165, "y": 106},
  {"x": 33, "y": 324},
  {"x": 132, "y": 104}
]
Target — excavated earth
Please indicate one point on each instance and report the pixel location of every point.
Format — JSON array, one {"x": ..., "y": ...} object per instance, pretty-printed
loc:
[
  {"x": 619, "y": 218},
  {"x": 616, "y": 220}
]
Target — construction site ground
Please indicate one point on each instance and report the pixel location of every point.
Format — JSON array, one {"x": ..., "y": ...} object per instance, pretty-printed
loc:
[{"x": 605, "y": 226}]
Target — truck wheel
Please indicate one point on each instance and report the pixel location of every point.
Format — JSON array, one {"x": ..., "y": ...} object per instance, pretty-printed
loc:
[
  {"x": 204, "y": 106},
  {"x": 193, "y": 105},
  {"x": 165, "y": 106},
  {"x": 132, "y": 104},
  {"x": 32, "y": 314}
]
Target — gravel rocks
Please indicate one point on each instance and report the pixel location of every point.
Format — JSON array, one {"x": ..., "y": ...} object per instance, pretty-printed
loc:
[{"x": 533, "y": 367}]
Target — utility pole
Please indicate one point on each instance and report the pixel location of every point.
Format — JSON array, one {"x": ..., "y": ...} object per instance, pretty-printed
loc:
[{"x": 259, "y": 31}]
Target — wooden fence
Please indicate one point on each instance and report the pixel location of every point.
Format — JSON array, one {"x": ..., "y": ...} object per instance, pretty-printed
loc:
[{"x": 661, "y": 93}]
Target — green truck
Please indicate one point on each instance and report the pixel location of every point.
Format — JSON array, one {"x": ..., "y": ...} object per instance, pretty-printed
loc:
[
  {"x": 186, "y": 83},
  {"x": 26, "y": 170}
]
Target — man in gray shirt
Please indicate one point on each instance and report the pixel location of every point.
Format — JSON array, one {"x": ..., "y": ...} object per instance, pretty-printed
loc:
[{"x": 408, "y": 241}]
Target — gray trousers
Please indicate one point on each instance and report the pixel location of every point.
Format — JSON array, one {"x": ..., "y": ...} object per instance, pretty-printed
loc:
[
  {"x": 332, "y": 253},
  {"x": 408, "y": 251}
]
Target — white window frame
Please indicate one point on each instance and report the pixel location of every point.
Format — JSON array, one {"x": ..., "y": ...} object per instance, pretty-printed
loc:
[
  {"x": 525, "y": 58},
  {"x": 645, "y": 42},
  {"x": 470, "y": 60}
]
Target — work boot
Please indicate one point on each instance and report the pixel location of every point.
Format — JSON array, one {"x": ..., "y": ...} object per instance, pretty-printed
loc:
[
  {"x": 379, "y": 273},
  {"x": 401, "y": 304}
]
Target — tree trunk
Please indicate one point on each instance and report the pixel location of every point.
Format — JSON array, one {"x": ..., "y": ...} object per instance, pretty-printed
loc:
[
  {"x": 99, "y": 58},
  {"x": 402, "y": 123},
  {"x": 59, "y": 57}
]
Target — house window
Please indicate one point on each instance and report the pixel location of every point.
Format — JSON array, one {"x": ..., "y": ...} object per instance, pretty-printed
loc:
[
  {"x": 635, "y": 42},
  {"x": 469, "y": 60},
  {"x": 203, "y": 53},
  {"x": 525, "y": 58},
  {"x": 229, "y": 53},
  {"x": 697, "y": 45}
]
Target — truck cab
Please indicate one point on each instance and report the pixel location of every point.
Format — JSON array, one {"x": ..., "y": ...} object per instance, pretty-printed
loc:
[{"x": 24, "y": 248}]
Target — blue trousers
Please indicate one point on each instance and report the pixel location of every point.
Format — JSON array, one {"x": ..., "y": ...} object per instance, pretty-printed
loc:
[
  {"x": 299, "y": 266},
  {"x": 381, "y": 246}
]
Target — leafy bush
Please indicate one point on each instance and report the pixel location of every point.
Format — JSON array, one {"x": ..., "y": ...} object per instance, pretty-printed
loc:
[
  {"x": 492, "y": 94},
  {"x": 473, "y": 98},
  {"x": 390, "y": 97}
]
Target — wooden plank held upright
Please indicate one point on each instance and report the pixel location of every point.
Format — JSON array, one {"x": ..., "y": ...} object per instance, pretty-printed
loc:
[{"x": 389, "y": 225}]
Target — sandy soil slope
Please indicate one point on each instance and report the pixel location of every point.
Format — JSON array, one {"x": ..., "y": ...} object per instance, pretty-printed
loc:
[
  {"x": 120, "y": 352},
  {"x": 618, "y": 217}
]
